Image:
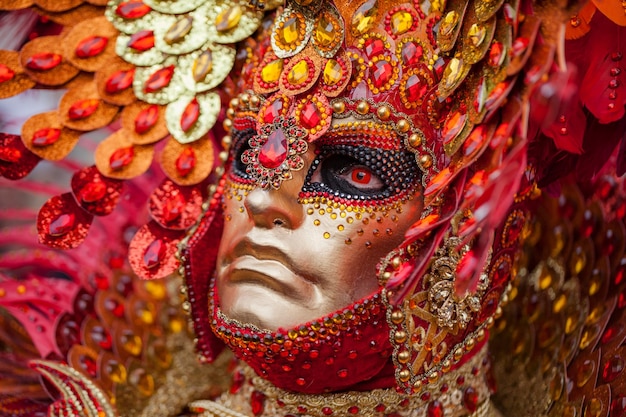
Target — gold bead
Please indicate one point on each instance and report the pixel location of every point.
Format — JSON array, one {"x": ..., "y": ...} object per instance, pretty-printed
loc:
[
  {"x": 458, "y": 354},
  {"x": 255, "y": 101},
  {"x": 234, "y": 103},
  {"x": 404, "y": 375},
  {"x": 339, "y": 106},
  {"x": 383, "y": 112},
  {"x": 227, "y": 141},
  {"x": 480, "y": 335},
  {"x": 400, "y": 336},
  {"x": 223, "y": 155},
  {"x": 434, "y": 377},
  {"x": 498, "y": 312},
  {"x": 397, "y": 317},
  {"x": 403, "y": 125},
  {"x": 386, "y": 276},
  {"x": 363, "y": 107},
  {"x": 219, "y": 171},
  {"x": 490, "y": 322},
  {"x": 228, "y": 124},
  {"x": 404, "y": 356},
  {"x": 230, "y": 113},
  {"x": 446, "y": 365},
  {"x": 426, "y": 161},
  {"x": 470, "y": 343},
  {"x": 396, "y": 262},
  {"x": 415, "y": 140},
  {"x": 245, "y": 98}
]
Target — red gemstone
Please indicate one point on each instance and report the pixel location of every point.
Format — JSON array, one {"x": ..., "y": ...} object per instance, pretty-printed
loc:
[
  {"x": 502, "y": 272},
  {"x": 382, "y": 73},
  {"x": 353, "y": 410},
  {"x": 310, "y": 116},
  {"x": 274, "y": 152},
  {"x": 93, "y": 192},
  {"x": 238, "y": 380},
  {"x": 6, "y": 73},
  {"x": 519, "y": 46},
  {"x": 470, "y": 399},
  {"x": 257, "y": 402},
  {"x": 327, "y": 411},
  {"x": 121, "y": 158},
  {"x": 142, "y": 40},
  {"x": 173, "y": 207},
  {"x": 373, "y": 47},
  {"x": 133, "y": 9},
  {"x": 119, "y": 81},
  {"x": 146, "y": 119},
  {"x": 159, "y": 79},
  {"x": 91, "y": 46},
  {"x": 435, "y": 409},
  {"x": 46, "y": 136},
  {"x": 101, "y": 337},
  {"x": 509, "y": 13},
  {"x": 154, "y": 254},
  {"x": 88, "y": 364},
  {"x": 415, "y": 89},
  {"x": 453, "y": 126},
  {"x": 273, "y": 110},
  {"x": 618, "y": 407},
  {"x": 412, "y": 53},
  {"x": 43, "y": 61},
  {"x": 190, "y": 115},
  {"x": 186, "y": 162},
  {"x": 496, "y": 54},
  {"x": 83, "y": 108},
  {"x": 61, "y": 225},
  {"x": 612, "y": 368},
  {"x": 10, "y": 154},
  {"x": 115, "y": 307}
]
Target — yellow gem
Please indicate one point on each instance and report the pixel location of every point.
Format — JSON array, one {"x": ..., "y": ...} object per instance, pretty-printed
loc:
[
  {"x": 228, "y": 18},
  {"x": 365, "y": 17},
  {"x": 448, "y": 23},
  {"x": 299, "y": 73},
  {"x": 477, "y": 34},
  {"x": 290, "y": 31},
  {"x": 116, "y": 371},
  {"x": 132, "y": 343},
  {"x": 324, "y": 31},
  {"x": 332, "y": 72},
  {"x": 178, "y": 30},
  {"x": 453, "y": 72},
  {"x": 143, "y": 381},
  {"x": 401, "y": 22},
  {"x": 202, "y": 66},
  {"x": 271, "y": 72}
]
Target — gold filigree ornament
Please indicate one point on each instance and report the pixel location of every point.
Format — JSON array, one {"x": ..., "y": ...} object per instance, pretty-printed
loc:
[{"x": 451, "y": 311}]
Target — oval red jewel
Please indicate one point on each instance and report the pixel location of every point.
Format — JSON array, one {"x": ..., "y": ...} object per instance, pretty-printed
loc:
[
  {"x": 190, "y": 115},
  {"x": 435, "y": 409},
  {"x": 6, "y": 73},
  {"x": 93, "y": 192},
  {"x": 83, "y": 109},
  {"x": 61, "y": 225},
  {"x": 310, "y": 116},
  {"x": 43, "y": 61},
  {"x": 374, "y": 47},
  {"x": 412, "y": 53},
  {"x": 154, "y": 254},
  {"x": 159, "y": 79},
  {"x": 495, "y": 54},
  {"x": 133, "y": 9},
  {"x": 10, "y": 154},
  {"x": 274, "y": 150},
  {"x": 273, "y": 110},
  {"x": 415, "y": 89},
  {"x": 382, "y": 72},
  {"x": 173, "y": 207},
  {"x": 120, "y": 81},
  {"x": 257, "y": 402},
  {"x": 142, "y": 40},
  {"x": 186, "y": 162},
  {"x": 91, "y": 46},
  {"x": 146, "y": 119},
  {"x": 121, "y": 158},
  {"x": 46, "y": 136}
]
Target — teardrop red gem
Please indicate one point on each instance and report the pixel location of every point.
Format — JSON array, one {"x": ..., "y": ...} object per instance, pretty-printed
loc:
[
  {"x": 257, "y": 402},
  {"x": 495, "y": 54},
  {"x": 121, "y": 158},
  {"x": 61, "y": 224},
  {"x": 374, "y": 47},
  {"x": 415, "y": 89},
  {"x": 83, "y": 108},
  {"x": 274, "y": 151},
  {"x": 46, "y": 136},
  {"x": 190, "y": 115},
  {"x": 6, "y": 73},
  {"x": 91, "y": 46},
  {"x": 310, "y": 116},
  {"x": 120, "y": 81},
  {"x": 382, "y": 72},
  {"x": 93, "y": 192},
  {"x": 154, "y": 254},
  {"x": 273, "y": 110},
  {"x": 612, "y": 368},
  {"x": 142, "y": 40},
  {"x": 43, "y": 61},
  {"x": 133, "y": 9},
  {"x": 159, "y": 79},
  {"x": 435, "y": 409},
  {"x": 470, "y": 399},
  {"x": 173, "y": 207},
  {"x": 186, "y": 162},
  {"x": 146, "y": 119},
  {"x": 412, "y": 53}
]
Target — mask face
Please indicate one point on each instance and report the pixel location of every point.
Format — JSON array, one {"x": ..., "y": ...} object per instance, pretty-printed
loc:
[{"x": 292, "y": 254}]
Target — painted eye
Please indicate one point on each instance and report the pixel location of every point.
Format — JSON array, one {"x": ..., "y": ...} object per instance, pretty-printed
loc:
[
  {"x": 347, "y": 175},
  {"x": 361, "y": 175}
]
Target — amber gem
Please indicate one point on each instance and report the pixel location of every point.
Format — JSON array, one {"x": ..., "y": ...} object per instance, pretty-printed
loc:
[
  {"x": 133, "y": 9},
  {"x": 299, "y": 73},
  {"x": 178, "y": 30},
  {"x": 91, "y": 46},
  {"x": 121, "y": 158},
  {"x": 159, "y": 79},
  {"x": 120, "y": 81},
  {"x": 310, "y": 116},
  {"x": 46, "y": 136},
  {"x": 83, "y": 108},
  {"x": 228, "y": 18},
  {"x": 186, "y": 162},
  {"x": 6, "y": 73},
  {"x": 476, "y": 34},
  {"x": 202, "y": 66},
  {"x": 190, "y": 115},
  {"x": 142, "y": 40},
  {"x": 62, "y": 224},
  {"x": 401, "y": 22},
  {"x": 274, "y": 151},
  {"x": 43, "y": 61},
  {"x": 271, "y": 72},
  {"x": 332, "y": 72},
  {"x": 324, "y": 31},
  {"x": 146, "y": 119},
  {"x": 365, "y": 17},
  {"x": 382, "y": 73},
  {"x": 290, "y": 31},
  {"x": 93, "y": 192},
  {"x": 154, "y": 254}
]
